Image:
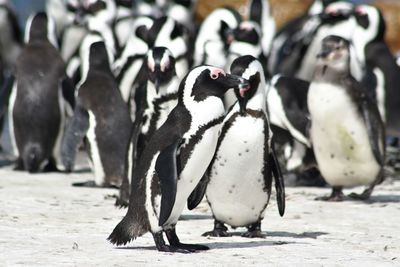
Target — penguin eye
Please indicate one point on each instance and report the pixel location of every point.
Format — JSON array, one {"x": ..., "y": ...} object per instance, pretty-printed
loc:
[{"x": 214, "y": 76}]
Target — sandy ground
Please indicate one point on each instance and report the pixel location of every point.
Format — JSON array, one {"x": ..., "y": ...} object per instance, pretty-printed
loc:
[{"x": 44, "y": 221}]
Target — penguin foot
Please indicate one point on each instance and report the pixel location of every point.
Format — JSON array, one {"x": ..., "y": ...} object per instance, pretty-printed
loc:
[
  {"x": 51, "y": 166},
  {"x": 254, "y": 234},
  {"x": 19, "y": 165},
  {"x": 253, "y": 231},
  {"x": 217, "y": 233},
  {"x": 174, "y": 241},
  {"x": 122, "y": 202},
  {"x": 336, "y": 195},
  {"x": 161, "y": 246},
  {"x": 220, "y": 230}
]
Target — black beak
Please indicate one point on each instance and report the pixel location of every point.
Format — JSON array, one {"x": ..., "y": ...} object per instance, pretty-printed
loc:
[
  {"x": 242, "y": 97},
  {"x": 324, "y": 52},
  {"x": 235, "y": 82}
]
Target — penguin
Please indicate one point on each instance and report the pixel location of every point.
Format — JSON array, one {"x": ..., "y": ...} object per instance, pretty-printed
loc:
[
  {"x": 157, "y": 99},
  {"x": 175, "y": 159},
  {"x": 127, "y": 68},
  {"x": 260, "y": 13},
  {"x": 237, "y": 193},
  {"x": 100, "y": 115},
  {"x": 122, "y": 24},
  {"x": 374, "y": 52},
  {"x": 212, "y": 40},
  {"x": 39, "y": 98},
  {"x": 169, "y": 33},
  {"x": 347, "y": 132},
  {"x": 295, "y": 42}
]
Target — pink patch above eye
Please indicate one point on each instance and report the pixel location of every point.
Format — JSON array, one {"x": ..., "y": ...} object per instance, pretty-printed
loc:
[
  {"x": 360, "y": 10},
  {"x": 216, "y": 72}
]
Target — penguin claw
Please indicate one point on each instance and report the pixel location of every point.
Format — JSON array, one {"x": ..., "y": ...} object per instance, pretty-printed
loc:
[
  {"x": 121, "y": 203},
  {"x": 217, "y": 233},
  {"x": 254, "y": 234},
  {"x": 330, "y": 198}
]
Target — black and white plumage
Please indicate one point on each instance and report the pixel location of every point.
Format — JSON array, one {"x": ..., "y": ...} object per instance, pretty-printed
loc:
[
  {"x": 260, "y": 13},
  {"x": 176, "y": 158},
  {"x": 101, "y": 115},
  {"x": 241, "y": 172},
  {"x": 128, "y": 66},
  {"x": 212, "y": 40},
  {"x": 156, "y": 99},
  {"x": 39, "y": 98},
  {"x": 123, "y": 22},
  {"x": 347, "y": 131}
]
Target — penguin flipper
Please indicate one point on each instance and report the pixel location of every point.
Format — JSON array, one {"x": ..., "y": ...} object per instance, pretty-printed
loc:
[
  {"x": 279, "y": 182},
  {"x": 198, "y": 193},
  {"x": 74, "y": 135},
  {"x": 166, "y": 168},
  {"x": 375, "y": 129}
]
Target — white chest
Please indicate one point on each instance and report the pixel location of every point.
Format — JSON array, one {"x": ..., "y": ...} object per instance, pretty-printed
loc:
[
  {"x": 236, "y": 187},
  {"x": 339, "y": 136}
]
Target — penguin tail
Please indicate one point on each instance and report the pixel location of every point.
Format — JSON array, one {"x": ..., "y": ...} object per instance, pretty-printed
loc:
[
  {"x": 32, "y": 157},
  {"x": 127, "y": 230}
]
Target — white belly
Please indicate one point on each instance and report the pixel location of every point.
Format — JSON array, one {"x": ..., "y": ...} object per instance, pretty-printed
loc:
[
  {"x": 196, "y": 166},
  {"x": 236, "y": 188},
  {"x": 13, "y": 97},
  {"x": 340, "y": 138}
]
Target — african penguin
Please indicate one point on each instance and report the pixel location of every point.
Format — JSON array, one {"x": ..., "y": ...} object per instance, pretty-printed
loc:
[
  {"x": 100, "y": 115},
  {"x": 127, "y": 68},
  {"x": 122, "y": 24},
  {"x": 260, "y": 13},
  {"x": 175, "y": 159},
  {"x": 167, "y": 32},
  {"x": 240, "y": 174},
  {"x": 213, "y": 40},
  {"x": 157, "y": 98},
  {"x": 347, "y": 132},
  {"x": 246, "y": 40},
  {"x": 39, "y": 98}
]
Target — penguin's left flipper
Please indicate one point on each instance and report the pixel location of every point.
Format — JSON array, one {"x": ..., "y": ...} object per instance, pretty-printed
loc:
[
  {"x": 279, "y": 182},
  {"x": 167, "y": 172},
  {"x": 74, "y": 135},
  {"x": 198, "y": 193}
]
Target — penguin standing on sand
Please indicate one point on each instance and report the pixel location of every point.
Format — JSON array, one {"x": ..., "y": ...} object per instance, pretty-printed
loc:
[
  {"x": 176, "y": 158},
  {"x": 102, "y": 116},
  {"x": 238, "y": 195},
  {"x": 347, "y": 131},
  {"x": 38, "y": 98}
]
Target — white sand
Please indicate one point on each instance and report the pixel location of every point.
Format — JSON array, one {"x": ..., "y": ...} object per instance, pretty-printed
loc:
[{"x": 44, "y": 221}]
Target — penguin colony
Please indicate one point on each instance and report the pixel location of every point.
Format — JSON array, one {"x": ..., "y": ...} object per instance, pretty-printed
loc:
[{"x": 169, "y": 111}]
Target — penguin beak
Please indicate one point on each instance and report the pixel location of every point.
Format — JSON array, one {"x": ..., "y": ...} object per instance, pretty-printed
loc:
[
  {"x": 236, "y": 82},
  {"x": 242, "y": 97},
  {"x": 324, "y": 52}
]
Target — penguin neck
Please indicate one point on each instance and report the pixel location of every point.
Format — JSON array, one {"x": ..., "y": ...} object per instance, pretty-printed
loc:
[
  {"x": 258, "y": 101},
  {"x": 164, "y": 89},
  {"x": 326, "y": 73}
]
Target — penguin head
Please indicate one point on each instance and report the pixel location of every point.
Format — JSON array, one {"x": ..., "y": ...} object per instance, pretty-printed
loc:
[
  {"x": 95, "y": 54},
  {"x": 335, "y": 53},
  {"x": 248, "y": 32},
  {"x": 204, "y": 82},
  {"x": 160, "y": 66},
  {"x": 101, "y": 11},
  {"x": 250, "y": 69},
  {"x": 370, "y": 22},
  {"x": 319, "y": 5},
  {"x": 40, "y": 27}
]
